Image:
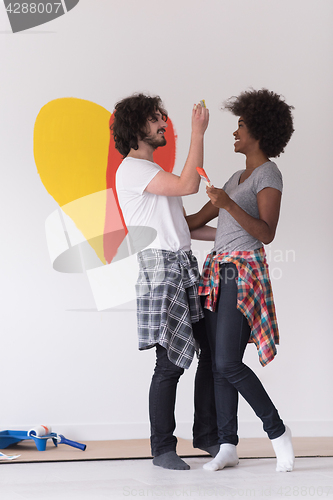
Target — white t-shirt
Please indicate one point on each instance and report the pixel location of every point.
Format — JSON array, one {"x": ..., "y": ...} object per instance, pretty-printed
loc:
[{"x": 140, "y": 208}]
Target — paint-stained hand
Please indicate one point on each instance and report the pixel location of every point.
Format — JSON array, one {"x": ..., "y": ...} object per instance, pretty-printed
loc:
[
  {"x": 218, "y": 197},
  {"x": 200, "y": 119}
]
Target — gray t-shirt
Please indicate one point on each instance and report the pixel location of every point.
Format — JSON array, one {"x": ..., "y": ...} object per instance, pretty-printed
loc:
[{"x": 230, "y": 236}]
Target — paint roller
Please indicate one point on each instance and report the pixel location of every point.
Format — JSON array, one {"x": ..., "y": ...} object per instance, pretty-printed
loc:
[
  {"x": 45, "y": 432},
  {"x": 59, "y": 438},
  {"x": 40, "y": 430}
]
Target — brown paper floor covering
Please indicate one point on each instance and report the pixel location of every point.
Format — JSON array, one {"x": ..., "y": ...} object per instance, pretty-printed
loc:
[{"x": 139, "y": 448}]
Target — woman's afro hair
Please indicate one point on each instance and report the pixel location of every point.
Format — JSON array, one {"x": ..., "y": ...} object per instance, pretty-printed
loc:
[{"x": 267, "y": 116}]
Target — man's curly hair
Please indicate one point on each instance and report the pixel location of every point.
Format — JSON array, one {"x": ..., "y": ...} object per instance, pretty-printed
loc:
[
  {"x": 267, "y": 116},
  {"x": 130, "y": 120}
]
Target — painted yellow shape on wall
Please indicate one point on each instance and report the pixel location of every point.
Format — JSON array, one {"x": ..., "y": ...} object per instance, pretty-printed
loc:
[{"x": 71, "y": 145}]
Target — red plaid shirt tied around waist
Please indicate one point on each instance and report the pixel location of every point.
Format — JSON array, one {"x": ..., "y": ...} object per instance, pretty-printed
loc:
[{"x": 254, "y": 298}]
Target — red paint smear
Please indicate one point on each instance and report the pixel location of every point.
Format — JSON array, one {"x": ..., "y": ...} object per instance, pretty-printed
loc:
[
  {"x": 112, "y": 239},
  {"x": 165, "y": 157}
]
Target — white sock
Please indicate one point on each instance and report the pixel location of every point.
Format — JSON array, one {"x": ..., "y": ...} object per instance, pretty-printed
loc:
[
  {"x": 284, "y": 452},
  {"x": 226, "y": 457}
]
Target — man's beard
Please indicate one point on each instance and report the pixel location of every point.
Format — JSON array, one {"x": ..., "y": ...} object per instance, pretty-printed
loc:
[{"x": 155, "y": 142}]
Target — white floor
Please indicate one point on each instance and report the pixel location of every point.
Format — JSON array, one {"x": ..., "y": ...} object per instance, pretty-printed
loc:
[{"x": 121, "y": 479}]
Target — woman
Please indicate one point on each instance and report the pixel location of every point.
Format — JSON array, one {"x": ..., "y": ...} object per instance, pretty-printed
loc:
[{"x": 239, "y": 305}]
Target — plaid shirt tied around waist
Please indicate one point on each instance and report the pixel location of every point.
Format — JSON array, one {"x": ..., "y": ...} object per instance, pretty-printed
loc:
[
  {"x": 168, "y": 302},
  {"x": 254, "y": 298}
]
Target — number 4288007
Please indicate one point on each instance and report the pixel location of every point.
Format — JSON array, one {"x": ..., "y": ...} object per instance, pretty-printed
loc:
[{"x": 33, "y": 8}]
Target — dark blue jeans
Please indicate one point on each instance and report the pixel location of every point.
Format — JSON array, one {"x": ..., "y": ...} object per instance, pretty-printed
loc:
[
  {"x": 162, "y": 398},
  {"x": 228, "y": 333}
]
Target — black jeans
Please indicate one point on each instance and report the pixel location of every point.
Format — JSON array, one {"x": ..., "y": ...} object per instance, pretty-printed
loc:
[
  {"x": 228, "y": 333},
  {"x": 162, "y": 398}
]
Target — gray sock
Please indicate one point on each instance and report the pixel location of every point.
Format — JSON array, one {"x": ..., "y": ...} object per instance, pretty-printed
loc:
[
  {"x": 170, "y": 460},
  {"x": 212, "y": 450}
]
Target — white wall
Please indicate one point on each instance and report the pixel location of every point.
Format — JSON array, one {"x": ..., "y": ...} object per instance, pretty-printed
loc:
[{"x": 66, "y": 364}]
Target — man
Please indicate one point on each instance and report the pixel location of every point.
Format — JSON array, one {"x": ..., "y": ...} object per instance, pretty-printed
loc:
[{"x": 167, "y": 299}]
